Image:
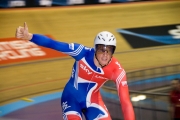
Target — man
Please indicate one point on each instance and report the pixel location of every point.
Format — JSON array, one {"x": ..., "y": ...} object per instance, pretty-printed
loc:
[
  {"x": 92, "y": 68},
  {"x": 175, "y": 99}
]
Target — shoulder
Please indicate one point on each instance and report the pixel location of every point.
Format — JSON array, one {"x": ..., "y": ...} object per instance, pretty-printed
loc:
[
  {"x": 117, "y": 70},
  {"x": 115, "y": 63},
  {"x": 114, "y": 66},
  {"x": 87, "y": 52},
  {"x": 88, "y": 48}
]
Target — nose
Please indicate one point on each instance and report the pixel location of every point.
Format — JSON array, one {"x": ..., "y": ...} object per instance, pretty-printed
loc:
[{"x": 105, "y": 52}]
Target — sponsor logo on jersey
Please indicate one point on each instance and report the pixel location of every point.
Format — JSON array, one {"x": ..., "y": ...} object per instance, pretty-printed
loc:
[
  {"x": 85, "y": 69},
  {"x": 118, "y": 65},
  {"x": 100, "y": 77},
  {"x": 87, "y": 48},
  {"x": 65, "y": 106},
  {"x": 71, "y": 46},
  {"x": 72, "y": 74},
  {"x": 124, "y": 83}
]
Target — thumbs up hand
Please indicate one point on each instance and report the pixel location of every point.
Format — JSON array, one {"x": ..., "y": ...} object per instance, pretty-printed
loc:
[{"x": 23, "y": 33}]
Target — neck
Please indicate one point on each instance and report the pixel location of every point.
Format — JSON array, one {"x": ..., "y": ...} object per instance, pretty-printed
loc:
[{"x": 96, "y": 62}]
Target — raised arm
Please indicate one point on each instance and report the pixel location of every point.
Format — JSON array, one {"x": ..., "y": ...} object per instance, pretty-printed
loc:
[{"x": 75, "y": 50}]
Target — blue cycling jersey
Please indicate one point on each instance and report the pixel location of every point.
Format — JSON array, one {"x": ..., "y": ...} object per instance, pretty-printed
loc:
[{"x": 81, "y": 93}]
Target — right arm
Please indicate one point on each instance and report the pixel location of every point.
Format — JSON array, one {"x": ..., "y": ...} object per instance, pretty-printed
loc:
[
  {"x": 73, "y": 49},
  {"x": 77, "y": 51}
]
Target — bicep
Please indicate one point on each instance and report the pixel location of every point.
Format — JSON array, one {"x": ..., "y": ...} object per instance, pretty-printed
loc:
[
  {"x": 122, "y": 88},
  {"x": 75, "y": 50}
]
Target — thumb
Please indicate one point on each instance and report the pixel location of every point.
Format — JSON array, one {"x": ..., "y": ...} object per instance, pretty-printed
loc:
[{"x": 25, "y": 26}]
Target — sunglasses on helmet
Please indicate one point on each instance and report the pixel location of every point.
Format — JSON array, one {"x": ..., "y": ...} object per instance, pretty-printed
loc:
[{"x": 100, "y": 48}]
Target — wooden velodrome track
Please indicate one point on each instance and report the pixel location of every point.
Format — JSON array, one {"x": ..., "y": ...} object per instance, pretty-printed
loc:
[{"x": 80, "y": 25}]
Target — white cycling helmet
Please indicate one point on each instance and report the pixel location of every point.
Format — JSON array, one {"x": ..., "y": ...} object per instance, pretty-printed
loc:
[{"x": 105, "y": 38}]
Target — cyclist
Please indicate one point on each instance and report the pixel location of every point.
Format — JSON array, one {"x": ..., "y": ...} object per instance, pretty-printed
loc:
[{"x": 92, "y": 68}]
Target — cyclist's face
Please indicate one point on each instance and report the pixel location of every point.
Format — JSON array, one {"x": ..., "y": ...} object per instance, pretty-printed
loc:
[{"x": 104, "y": 53}]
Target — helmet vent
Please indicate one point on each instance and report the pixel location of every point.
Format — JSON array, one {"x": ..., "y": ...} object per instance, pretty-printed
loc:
[
  {"x": 99, "y": 37},
  {"x": 105, "y": 38}
]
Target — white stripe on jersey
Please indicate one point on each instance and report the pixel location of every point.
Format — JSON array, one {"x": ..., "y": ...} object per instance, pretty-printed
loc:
[
  {"x": 76, "y": 75},
  {"x": 89, "y": 95},
  {"x": 119, "y": 78},
  {"x": 76, "y": 52},
  {"x": 100, "y": 116}
]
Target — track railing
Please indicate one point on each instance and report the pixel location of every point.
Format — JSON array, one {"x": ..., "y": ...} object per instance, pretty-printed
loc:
[{"x": 147, "y": 105}]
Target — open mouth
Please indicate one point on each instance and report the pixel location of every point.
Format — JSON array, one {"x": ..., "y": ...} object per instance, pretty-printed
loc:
[{"x": 104, "y": 59}]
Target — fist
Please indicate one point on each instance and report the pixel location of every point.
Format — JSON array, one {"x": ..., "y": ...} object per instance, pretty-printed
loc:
[{"x": 23, "y": 33}]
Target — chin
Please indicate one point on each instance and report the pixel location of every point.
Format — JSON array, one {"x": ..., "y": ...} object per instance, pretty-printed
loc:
[{"x": 104, "y": 63}]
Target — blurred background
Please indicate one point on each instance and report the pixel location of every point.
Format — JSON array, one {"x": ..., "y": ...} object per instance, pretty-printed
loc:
[{"x": 148, "y": 47}]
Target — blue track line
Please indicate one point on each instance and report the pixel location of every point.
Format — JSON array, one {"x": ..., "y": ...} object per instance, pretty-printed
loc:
[{"x": 11, "y": 107}]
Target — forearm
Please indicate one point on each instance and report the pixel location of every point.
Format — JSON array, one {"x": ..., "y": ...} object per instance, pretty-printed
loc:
[
  {"x": 41, "y": 40},
  {"x": 73, "y": 49},
  {"x": 128, "y": 111},
  {"x": 126, "y": 104},
  {"x": 45, "y": 41}
]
